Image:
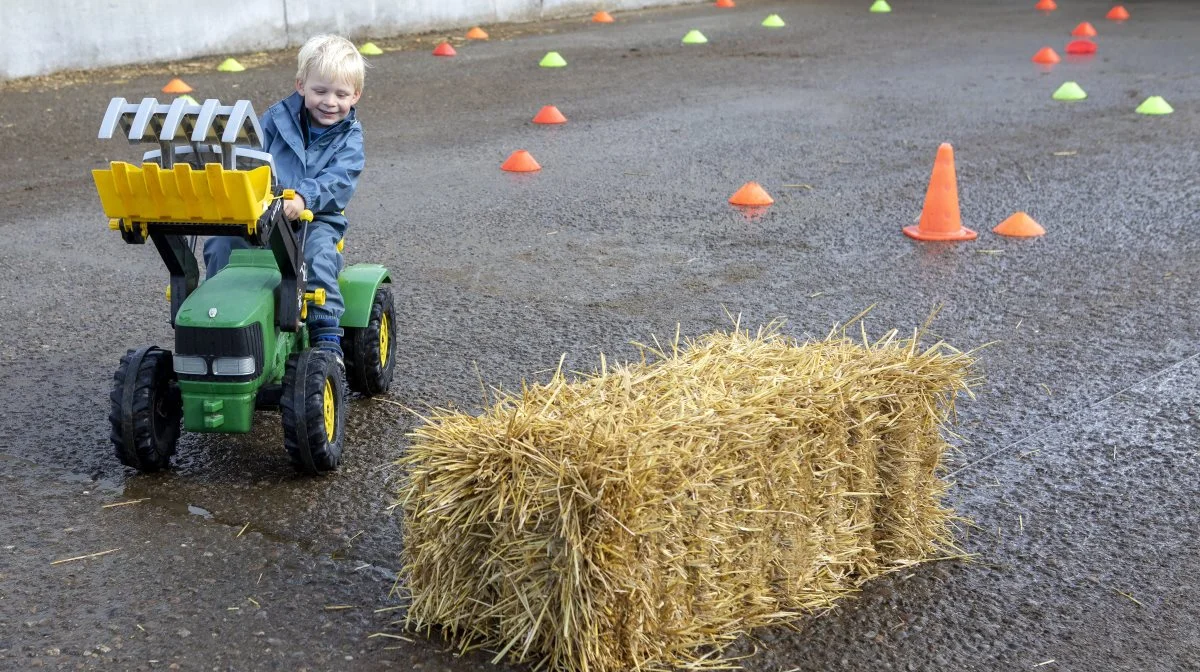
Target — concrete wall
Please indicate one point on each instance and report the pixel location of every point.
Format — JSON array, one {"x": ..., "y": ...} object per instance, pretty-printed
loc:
[{"x": 42, "y": 36}]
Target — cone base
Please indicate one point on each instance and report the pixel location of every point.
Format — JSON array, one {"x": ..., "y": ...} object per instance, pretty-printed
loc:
[
  {"x": 520, "y": 161},
  {"x": 1155, "y": 105},
  {"x": 1069, "y": 91},
  {"x": 1020, "y": 225},
  {"x": 1046, "y": 56},
  {"x": 751, "y": 195},
  {"x": 1081, "y": 47},
  {"x": 549, "y": 115},
  {"x": 176, "y": 86},
  {"x": 915, "y": 231}
]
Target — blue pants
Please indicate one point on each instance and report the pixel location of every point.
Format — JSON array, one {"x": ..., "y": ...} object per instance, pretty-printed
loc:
[{"x": 320, "y": 254}]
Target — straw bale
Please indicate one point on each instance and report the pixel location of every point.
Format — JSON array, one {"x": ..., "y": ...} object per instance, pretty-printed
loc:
[{"x": 644, "y": 516}]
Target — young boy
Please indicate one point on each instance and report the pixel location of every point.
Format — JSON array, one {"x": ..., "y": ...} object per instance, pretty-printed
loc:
[{"x": 317, "y": 145}]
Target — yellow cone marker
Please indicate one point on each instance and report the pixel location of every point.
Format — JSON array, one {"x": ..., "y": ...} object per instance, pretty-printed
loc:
[
  {"x": 230, "y": 65},
  {"x": 553, "y": 60},
  {"x": 1155, "y": 105},
  {"x": 1069, "y": 91}
]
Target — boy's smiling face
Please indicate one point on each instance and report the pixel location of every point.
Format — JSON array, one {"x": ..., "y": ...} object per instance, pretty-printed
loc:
[{"x": 327, "y": 101}]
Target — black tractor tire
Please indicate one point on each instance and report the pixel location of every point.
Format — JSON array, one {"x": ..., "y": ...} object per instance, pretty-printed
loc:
[
  {"x": 146, "y": 409},
  {"x": 314, "y": 411},
  {"x": 371, "y": 350}
]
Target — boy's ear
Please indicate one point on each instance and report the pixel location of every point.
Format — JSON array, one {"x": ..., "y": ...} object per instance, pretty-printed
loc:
[
  {"x": 300, "y": 86},
  {"x": 357, "y": 95}
]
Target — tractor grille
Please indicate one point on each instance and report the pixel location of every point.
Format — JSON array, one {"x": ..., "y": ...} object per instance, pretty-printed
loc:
[{"x": 210, "y": 344}]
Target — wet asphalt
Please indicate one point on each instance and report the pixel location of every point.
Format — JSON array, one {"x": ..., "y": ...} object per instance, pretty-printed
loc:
[{"x": 1078, "y": 459}]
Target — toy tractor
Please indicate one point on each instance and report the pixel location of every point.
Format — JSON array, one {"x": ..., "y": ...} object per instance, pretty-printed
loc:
[{"x": 241, "y": 343}]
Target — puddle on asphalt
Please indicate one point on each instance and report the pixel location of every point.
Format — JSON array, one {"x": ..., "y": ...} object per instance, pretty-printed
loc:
[
  {"x": 93, "y": 482},
  {"x": 197, "y": 511}
]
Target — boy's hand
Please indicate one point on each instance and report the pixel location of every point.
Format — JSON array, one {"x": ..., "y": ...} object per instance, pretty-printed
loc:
[{"x": 292, "y": 207}]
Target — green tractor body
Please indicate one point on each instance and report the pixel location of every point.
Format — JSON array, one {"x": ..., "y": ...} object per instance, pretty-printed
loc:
[
  {"x": 226, "y": 344},
  {"x": 227, "y": 349}
]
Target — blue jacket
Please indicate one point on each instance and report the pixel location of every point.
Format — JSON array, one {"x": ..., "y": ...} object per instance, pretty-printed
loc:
[{"x": 326, "y": 172}]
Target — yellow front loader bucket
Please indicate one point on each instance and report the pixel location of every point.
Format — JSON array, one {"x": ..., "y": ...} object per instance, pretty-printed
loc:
[{"x": 181, "y": 195}]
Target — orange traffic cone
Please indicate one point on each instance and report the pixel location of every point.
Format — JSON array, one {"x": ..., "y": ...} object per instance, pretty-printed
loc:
[
  {"x": 520, "y": 161},
  {"x": 1046, "y": 6},
  {"x": 940, "y": 219},
  {"x": 477, "y": 33},
  {"x": 726, "y": 4},
  {"x": 1020, "y": 225},
  {"x": 1084, "y": 29},
  {"x": 1117, "y": 13},
  {"x": 177, "y": 85},
  {"x": 444, "y": 49},
  {"x": 1046, "y": 56},
  {"x": 549, "y": 115},
  {"x": 602, "y": 17},
  {"x": 751, "y": 194}
]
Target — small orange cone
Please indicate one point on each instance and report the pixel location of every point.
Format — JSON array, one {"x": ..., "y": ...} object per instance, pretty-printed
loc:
[
  {"x": 444, "y": 49},
  {"x": 1046, "y": 56},
  {"x": 177, "y": 85},
  {"x": 751, "y": 194},
  {"x": 1020, "y": 225},
  {"x": 549, "y": 115},
  {"x": 602, "y": 17},
  {"x": 1118, "y": 13},
  {"x": 1081, "y": 46},
  {"x": 940, "y": 218},
  {"x": 477, "y": 33},
  {"x": 1046, "y": 6},
  {"x": 1084, "y": 29},
  {"x": 520, "y": 161},
  {"x": 726, "y": 4}
]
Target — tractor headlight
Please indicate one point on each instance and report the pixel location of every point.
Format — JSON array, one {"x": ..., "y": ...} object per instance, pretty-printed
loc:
[
  {"x": 191, "y": 365},
  {"x": 233, "y": 366}
]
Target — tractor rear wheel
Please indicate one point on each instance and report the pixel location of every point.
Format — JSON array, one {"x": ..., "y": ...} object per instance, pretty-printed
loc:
[
  {"x": 313, "y": 409},
  {"x": 146, "y": 409},
  {"x": 371, "y": 350}
]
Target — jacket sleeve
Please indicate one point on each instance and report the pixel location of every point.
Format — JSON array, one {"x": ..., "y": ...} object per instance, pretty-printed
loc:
[{"x": 330, "y": 190}]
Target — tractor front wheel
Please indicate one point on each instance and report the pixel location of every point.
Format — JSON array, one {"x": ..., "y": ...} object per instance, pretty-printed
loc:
[
  {"x": 371, "y": 350},
  {"x": 313, "y": 409},
  {"x": 146, "y": 409}
]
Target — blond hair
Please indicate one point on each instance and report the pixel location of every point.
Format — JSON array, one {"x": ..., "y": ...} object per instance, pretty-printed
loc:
[{"x": 331, "y": 56}]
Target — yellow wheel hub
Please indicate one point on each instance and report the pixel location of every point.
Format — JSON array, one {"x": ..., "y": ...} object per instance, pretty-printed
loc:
[
  {"x": 330, "y": 411},
  {"x": 383, "y": 340}
]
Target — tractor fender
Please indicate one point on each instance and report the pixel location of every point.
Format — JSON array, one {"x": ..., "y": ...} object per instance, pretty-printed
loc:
[{"x": 358, "y": 284}]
